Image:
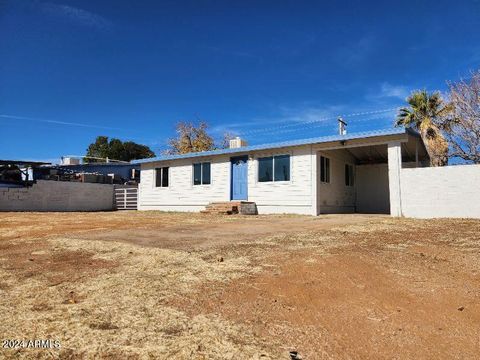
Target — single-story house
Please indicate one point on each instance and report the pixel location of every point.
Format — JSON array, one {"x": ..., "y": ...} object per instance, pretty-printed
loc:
[{"x": 356, "y": 172}]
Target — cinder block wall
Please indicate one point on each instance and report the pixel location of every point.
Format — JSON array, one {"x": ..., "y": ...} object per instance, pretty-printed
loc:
[
  {"x": 58, "y": 196},
  {"x": 449, "y": 191}
]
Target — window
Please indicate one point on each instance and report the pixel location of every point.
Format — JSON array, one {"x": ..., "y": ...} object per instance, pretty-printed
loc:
[
  {"x": 161, "y": 177},
  {"x": 274, "y": 168},
  {"x": 324, "y": 169},
  {"x": 281, "y": 165},
  {"x": 206, "y": 173},
  {"x": 201, "y": 173},
  {"x": 265, "y": 169},
  {"x": 349, "y": 177}
]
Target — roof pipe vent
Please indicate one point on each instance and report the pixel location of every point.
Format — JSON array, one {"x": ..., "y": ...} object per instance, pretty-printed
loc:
[{"x": 342, "y": 126}]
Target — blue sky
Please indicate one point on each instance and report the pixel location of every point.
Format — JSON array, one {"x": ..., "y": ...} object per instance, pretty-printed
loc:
[{"x": 267, "y": 70}]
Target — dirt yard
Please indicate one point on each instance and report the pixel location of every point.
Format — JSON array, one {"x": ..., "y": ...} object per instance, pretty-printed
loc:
[{"x": 140, "y": 285}]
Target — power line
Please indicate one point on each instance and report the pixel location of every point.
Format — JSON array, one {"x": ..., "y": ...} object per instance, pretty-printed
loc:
[
  {"x": 367, "y": 119},
  {"x": 311, "y": 125},
  {"x": 283, "y": 131},
  {"x": 371, "y": 112},
  {"x": 15, "y": 117},
  {"x": 324, "y": 119}
]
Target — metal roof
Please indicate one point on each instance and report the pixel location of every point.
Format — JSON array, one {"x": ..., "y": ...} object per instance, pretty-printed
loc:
[
  {"x": 315, "y": 140},
  {"x": 23, "y": 162},
  {"x": 111, "y": 164}
]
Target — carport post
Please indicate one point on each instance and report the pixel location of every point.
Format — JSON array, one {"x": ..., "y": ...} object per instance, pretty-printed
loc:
[
  {"x": 394, "y": 170},
  {"x": 314, "y": 179}
]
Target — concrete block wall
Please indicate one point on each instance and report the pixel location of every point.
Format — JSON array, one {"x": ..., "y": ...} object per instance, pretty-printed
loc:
[
  {"x": 58, "y": 196},
  {"x": 436, "y": 192}
]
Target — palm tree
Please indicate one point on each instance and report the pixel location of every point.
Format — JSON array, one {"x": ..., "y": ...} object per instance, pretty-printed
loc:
[{"x": 422, "y": 114}]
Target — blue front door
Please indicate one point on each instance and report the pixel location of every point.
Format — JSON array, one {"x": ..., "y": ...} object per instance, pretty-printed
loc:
[{"x": 240, "y": 178}]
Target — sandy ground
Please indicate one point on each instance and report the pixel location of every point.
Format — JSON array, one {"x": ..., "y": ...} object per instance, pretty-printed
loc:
[{"x": 168, "y": 285}]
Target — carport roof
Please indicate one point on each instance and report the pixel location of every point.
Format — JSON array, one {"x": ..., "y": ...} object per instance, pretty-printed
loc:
[{"x": 309, "y": 141}]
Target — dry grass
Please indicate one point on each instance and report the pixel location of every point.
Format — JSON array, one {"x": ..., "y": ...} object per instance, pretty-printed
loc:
[{"x": 125, "y": 311}]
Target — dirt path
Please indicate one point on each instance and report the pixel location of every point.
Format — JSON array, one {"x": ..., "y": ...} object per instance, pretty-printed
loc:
[
  {"x": 166, "y": 230},
  {"x": 232, "y": 230}
]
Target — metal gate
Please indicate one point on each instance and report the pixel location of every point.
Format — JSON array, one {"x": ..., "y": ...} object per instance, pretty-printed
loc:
[{"x": 126, "y": 197}]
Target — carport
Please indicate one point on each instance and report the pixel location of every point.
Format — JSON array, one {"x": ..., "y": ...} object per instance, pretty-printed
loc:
[{"x": 362, "y": 176}]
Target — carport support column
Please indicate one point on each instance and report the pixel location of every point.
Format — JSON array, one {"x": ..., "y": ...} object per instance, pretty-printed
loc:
[
  {"x": 314, "y": 180},
  {"x": 394, "y": 169}
]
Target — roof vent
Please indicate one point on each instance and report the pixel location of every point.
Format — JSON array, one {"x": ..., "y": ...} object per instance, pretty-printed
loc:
[
  {"x": 237, "y": 143},
  {"x": 342, "y": 126}
]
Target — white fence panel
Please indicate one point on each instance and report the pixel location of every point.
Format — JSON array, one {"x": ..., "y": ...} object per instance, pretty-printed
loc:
[{"x": 126, "y": 198}]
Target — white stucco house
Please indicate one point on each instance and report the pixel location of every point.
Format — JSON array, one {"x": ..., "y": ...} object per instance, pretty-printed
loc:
[{"x": 357, "y": 172}]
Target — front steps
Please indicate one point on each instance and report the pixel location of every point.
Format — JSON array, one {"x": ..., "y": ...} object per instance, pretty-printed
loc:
[{"x": 231, "y": 207}]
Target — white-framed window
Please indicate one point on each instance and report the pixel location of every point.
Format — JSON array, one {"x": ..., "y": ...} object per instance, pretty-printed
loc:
[
  {"x": 324, "y": 169},
  {"x": 274, "y": 168},
  {"x": 201, "y": 173},
  {"x": 161, "y": 177},
  {"x": 349, "y": 175}
]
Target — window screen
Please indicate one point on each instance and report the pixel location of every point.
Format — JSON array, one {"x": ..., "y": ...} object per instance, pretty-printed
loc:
[
  {"x": 265, "y": 169},
  {"x": 165, "y": 177},
  {"x": 281, "y": 165},
  {"x": 206, "y": 173},
  {"x": 349, "y": 176},
  {"x": 324, "y": 169},
  {"x": 197, "y": 174}
]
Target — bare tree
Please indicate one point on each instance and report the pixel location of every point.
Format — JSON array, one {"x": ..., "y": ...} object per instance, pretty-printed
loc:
[
  {"x": 462, "y": 125},
  {"x": 190, "y": 138},
  {"x": 225, "y": 142},
  {"x": 194, "y": 138}
]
